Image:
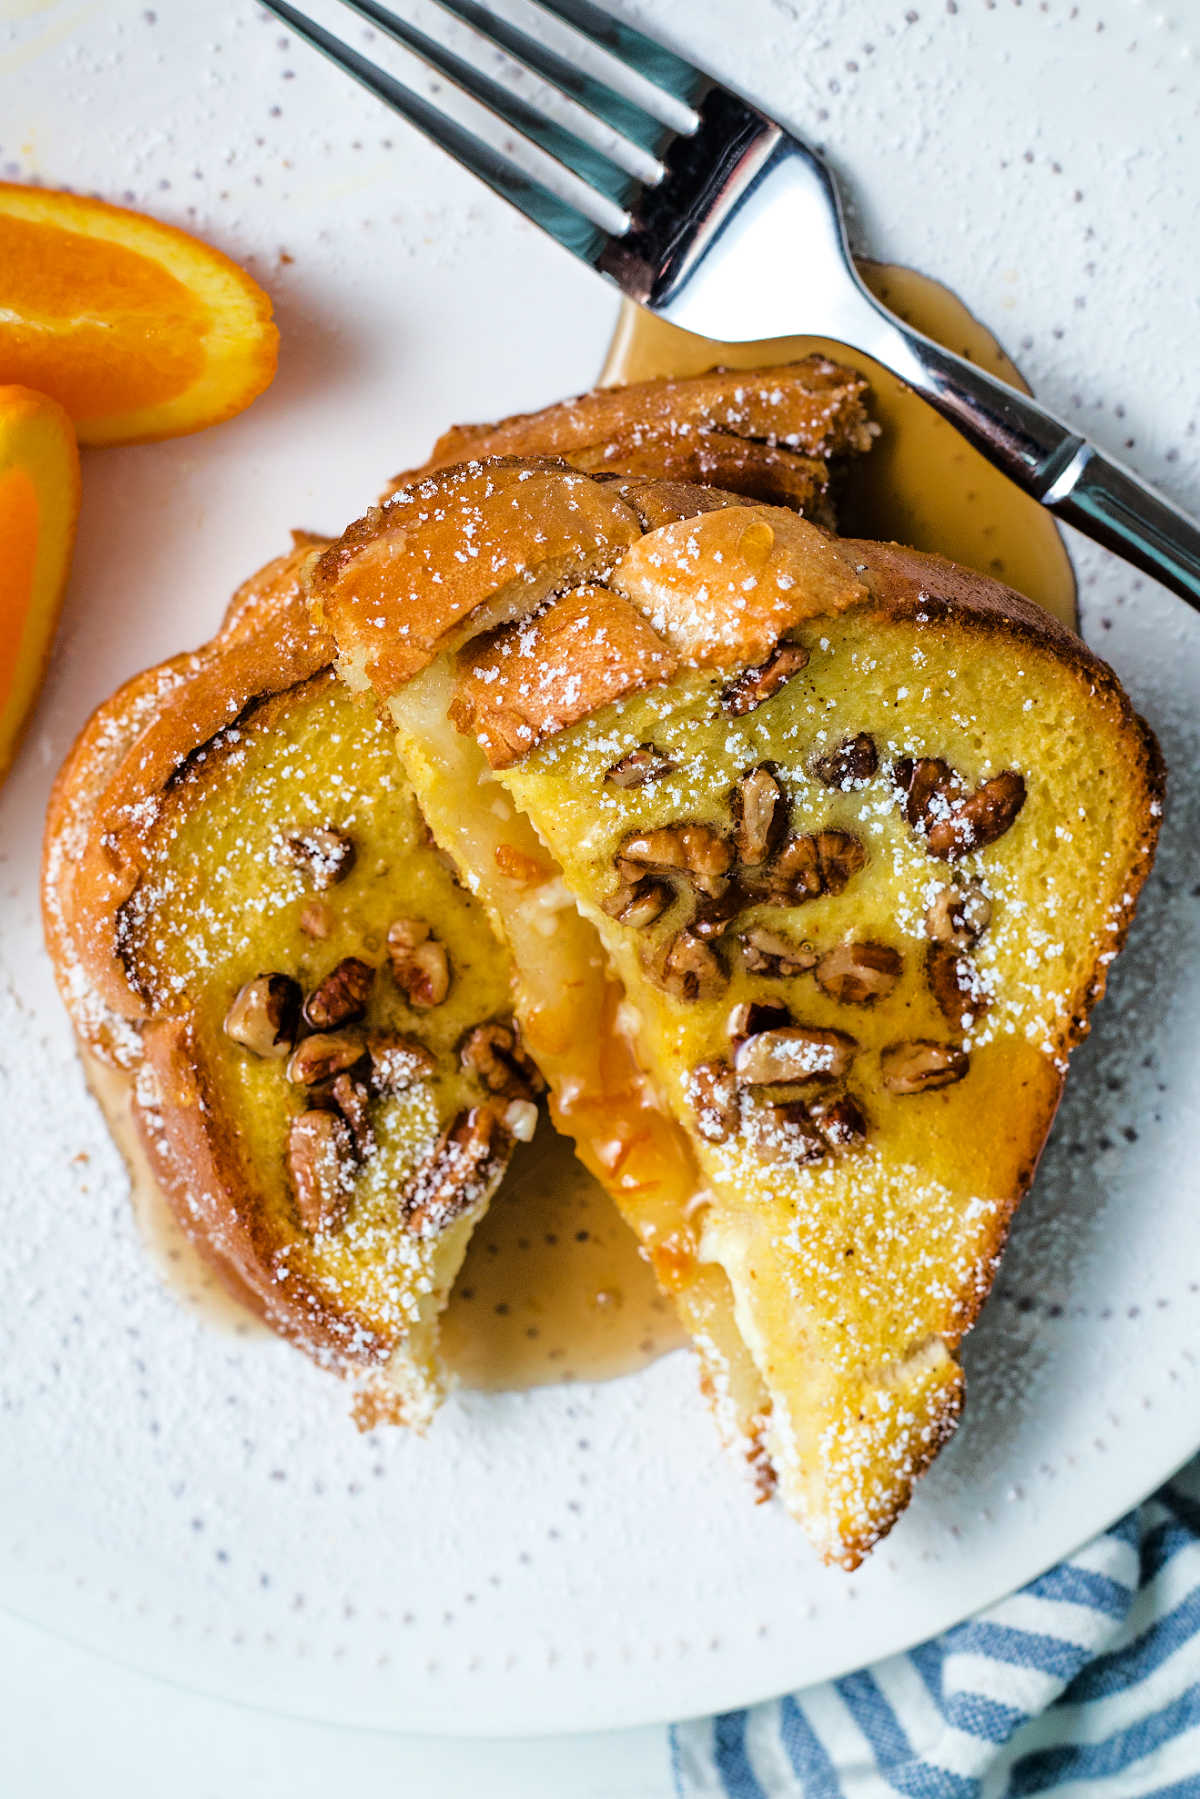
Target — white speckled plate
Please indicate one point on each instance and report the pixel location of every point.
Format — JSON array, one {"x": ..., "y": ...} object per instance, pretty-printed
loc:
[{"x": 198, "y": 1503}]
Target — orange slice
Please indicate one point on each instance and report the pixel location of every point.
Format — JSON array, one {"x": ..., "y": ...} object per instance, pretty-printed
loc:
[
  {"x": 139, "y": 330},
  {"x": 39, "y": 503}
]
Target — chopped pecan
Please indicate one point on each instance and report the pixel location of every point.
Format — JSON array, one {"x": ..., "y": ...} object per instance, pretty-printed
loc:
[
  {"x": 920, "y": 1065},
  {"x": 839, "y": 858},
  {"x": 341, "y": 996},
  {"x": 755, "y": 1015},
  {"x": 419, "y": 963},
  {"x": 325, "y": 855},
  {"x": 852, "y": 763},
  {"x": 320, "y": 1057},
  {"x": 807, "y": 867},
  {"x": 760, "y": 815},
  {"x": 264, "y": 1015},
  {"x": 398, "y": 1062},
  {"x": 769, "y": 952},
  {"x": 321, "y": 1166},
  {"x": 955, "y": 984},
  {"x": 696, "y": 851},
  {"x": 952, "y": 819},
  {"x": 786, "y": 1132},
  {"x": 636, "y": 767},
  {"x": 690, "y": 969},
  {"x": 857, "y": 974},
  {"x": 841, "y": 1121},
  {"x": 353, "y": 1101},
  {"x": 494, "y": 1053},
  {"x": 754, "y": 685},
  {"x": 713, "y": 1096},
  {"x": 924, "y": 782},
  {"x": 641, "y": 905},
  {"x": 978, "y": 819},
  {"x": 959, "y": 915},
  {"x": 793, "y": 1055},
  {"x": 456, "y": 1173},
  {"x": 713, "y": 917}
]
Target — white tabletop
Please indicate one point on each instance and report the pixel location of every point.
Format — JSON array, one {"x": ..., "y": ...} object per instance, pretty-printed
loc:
[{"x": 64, "y": 1711}]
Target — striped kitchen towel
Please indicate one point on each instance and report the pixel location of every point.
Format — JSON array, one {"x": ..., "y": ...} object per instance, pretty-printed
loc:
[{"x": 1085, "y": 1684}]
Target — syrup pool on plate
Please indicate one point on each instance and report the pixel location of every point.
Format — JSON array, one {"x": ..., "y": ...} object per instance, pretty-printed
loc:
[{"x": 921, "y": 483}]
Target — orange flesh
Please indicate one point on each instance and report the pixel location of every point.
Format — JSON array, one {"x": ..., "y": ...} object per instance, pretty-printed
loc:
[
  {"x": 18, "y": 538},
  {"x": 99, "y": 327}
]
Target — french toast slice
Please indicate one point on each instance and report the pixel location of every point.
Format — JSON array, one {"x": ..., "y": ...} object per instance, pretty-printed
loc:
[
  {"x": 249, "y": 921},
  {"x": 826, "y": 848}
]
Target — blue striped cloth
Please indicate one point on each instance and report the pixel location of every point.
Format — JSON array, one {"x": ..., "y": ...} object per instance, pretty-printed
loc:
[{"x": 1085, "y": 1684}]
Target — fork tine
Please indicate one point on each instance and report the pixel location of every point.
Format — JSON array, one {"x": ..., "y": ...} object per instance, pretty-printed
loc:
[
  {"x": 644, "y": 55},
  {"x": 565, "y": 223},
  {"x": 558, "y": 141},
  {"x": 596, "y": 97}
]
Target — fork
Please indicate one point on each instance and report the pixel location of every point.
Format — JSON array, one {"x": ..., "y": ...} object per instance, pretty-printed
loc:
[{"x": 723, "y": 222}]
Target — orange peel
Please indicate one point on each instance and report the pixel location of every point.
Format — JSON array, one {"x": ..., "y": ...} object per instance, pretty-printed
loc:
[
  {"x": 139, "y": 330},
  {"x": 39, "y": 504}
]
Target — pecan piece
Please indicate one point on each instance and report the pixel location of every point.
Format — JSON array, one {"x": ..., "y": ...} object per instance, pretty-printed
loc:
[
  {"x": 341, "y": 996},
  {"x": 760, "y": 815},
  {"x": 264, "y": 1015},
  {"x": 857, "y": 974},
  {"x": 321, "y": 1165},
  {"x": 920, "y": 1065},
  {"x": 641, "y": 905},
  {"x": 978, "y": 819},
  {"x": 953, "y": 820},
  {"x": 841, "y": 1121},
  {"x": 419, "y": 963},
  {"x": 959, "y": 915},
  {"x": 323, "y": 854},
  {"x": 755, "y": 1015},
  {"x": 398, "y": 1062},
  {"x": 494, "y": 1053},
  {"x": 851, "y": 764},
  {"x": 955, "y": 984},
  {"x": 320, "y": 1057},
  {"x": 712, "y": 1093},
  {"x": 353, "y": 1101},
  {"x": 690, "y": 969},
  {"x": 925, "y": 782},
  {"x": 456, "y": 1173},
  {"x": 695, "y": 851},
  {"x": 754, "y": 685},
  {"x": 768, "y": 952},
  {"x": 795, "y": 1054},
  {"x": 785, "y": 1132},
  {"x": 637, "y": 766},
  {"x": 807, "y": 867}
]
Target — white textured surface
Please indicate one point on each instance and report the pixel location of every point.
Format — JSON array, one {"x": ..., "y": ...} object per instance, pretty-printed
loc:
[{"x": 198, "y": 1504}]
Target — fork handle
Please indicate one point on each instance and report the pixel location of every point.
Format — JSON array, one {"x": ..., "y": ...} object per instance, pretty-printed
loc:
[{"x": 1070, "y": 477}]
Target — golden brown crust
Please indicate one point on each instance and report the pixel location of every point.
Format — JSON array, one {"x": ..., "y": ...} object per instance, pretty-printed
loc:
[
  {"x": 525, "y": 682},
  {"x": 689, "y": 427},
  {"x": 455, "y": 547}
]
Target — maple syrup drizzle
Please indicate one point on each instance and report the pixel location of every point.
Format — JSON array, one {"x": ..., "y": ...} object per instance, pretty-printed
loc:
[
  {"x": 921, "y": 483},
  {"x": 553, "y": 1288}
]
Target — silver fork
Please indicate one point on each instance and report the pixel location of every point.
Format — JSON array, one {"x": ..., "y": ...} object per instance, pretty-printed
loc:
[{"x": 731, "y": 227}]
